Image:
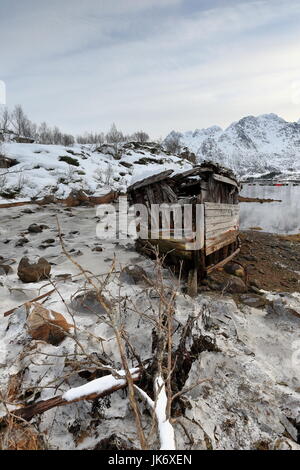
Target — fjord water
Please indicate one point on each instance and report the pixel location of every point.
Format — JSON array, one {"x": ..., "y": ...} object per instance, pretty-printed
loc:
[{"x": 276, "y": 217}]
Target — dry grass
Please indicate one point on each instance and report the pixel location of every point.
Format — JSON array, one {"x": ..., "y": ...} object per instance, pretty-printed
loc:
[
  {"x": 291, "y": 238},
  {"x": 17, "y": 435}
]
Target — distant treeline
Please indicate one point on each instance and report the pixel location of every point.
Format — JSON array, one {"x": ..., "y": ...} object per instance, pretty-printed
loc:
[{"x": 16, "y": 122}]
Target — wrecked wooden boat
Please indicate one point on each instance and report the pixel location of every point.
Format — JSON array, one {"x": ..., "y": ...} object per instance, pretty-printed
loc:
[{"x": 210, "y": 233}]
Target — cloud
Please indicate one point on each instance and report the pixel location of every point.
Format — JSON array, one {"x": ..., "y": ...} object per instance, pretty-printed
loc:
[{"x": 157, "y": 64}]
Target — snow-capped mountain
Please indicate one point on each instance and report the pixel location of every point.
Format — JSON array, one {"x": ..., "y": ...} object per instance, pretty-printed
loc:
[{"x": 252, "y": 145}]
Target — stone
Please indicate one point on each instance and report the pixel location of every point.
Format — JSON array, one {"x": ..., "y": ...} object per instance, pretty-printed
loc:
[
  {"x": 97, "y": 249},
  {"x": 46, "y": 325},
  {"x": 33, "y": 272},
  {"x": 27, "y": 211},
  {"x": 21, "y": 242},
  {"x": 34, "y": 228},
  {"x": 133, "y": 274},
  {"x": 235, "y": 269},
  {"x": 255, "y": 283},
  {"x": 234, "y": 285},
  {"x": 5, "y": 269},
  {"x": 90, "y": 302},
  {"x": 77, "y": 198},
  {"x": 253, "y": 300},
  {"x": 49, "y": 241}
]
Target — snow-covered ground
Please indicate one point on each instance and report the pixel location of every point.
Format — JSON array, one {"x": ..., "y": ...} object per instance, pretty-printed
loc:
[
  {"x": 251, "y": 356},
  {"x": 52, "y": 169},
  {"x": 250, "y": 146}
]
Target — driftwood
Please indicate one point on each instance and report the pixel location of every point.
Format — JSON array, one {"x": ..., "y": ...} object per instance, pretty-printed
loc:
[
  {"x": 92, "y": 200},
  {"x": 40, "y": 407}
]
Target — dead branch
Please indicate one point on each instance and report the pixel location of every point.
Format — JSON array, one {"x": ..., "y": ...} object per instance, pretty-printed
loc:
[
  {"x": 28, "y": 412},
  {"x": 10, "y": 312}
]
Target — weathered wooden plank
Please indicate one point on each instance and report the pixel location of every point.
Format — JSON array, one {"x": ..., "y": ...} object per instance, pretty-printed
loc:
[
  {"x": 172, "y": 197},
  {"x": 218, "y": 205},
  {"x": 213, "y": 245},
  {"x": 225, "y": 179},
  {"x": 216, "y": 232},
  {"x": 150, "y": 180},
  {"x": 214, "y": 221},
  {"x": 211, "y": 213}
]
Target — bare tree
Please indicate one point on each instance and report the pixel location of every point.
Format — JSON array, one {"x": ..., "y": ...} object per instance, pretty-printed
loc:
[
  {"x": 21, "y": 124},
  {"x": 4, "y": 121},
  {"x": 91, "y": 138},
  {"x": 114, "y": 136},
  {"x": 141, "y": 137},
  {"x": 172, "y": 143}
]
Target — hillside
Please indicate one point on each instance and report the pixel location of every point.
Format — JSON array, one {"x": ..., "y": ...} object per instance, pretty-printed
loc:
[
  {"x": 41, "y": 170},
  {"x": 252, "y": 145}
]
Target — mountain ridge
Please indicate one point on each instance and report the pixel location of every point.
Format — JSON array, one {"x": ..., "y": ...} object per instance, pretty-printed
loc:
[{"x": 253, "y": 145}]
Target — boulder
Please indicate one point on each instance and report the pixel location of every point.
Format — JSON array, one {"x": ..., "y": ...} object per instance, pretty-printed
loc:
[
  {"x": 234, "y": 269},
  {"x": 46, "y": 325},
  {"x": 90, "y": 302},
  {"x": 33, "y": 272},
  {"x": 133, "y": 274},
  {"x": 234, "y": 285},
  {"x": 253, "y": 300},
  {"x": 34, "y": 228}
]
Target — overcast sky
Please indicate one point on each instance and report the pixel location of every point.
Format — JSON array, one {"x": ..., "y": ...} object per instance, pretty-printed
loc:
[{"x": 155, "y": 65}]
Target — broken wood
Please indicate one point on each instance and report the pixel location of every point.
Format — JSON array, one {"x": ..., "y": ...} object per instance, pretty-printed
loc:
[
  {"x": 92, "y": 200},
  {"x": 28, "y": 412},
  {"x": 10, "y": 312}
]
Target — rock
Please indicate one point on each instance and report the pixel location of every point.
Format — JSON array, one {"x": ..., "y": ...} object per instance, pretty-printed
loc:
[
  {"x": 133, "y": 275},
  {"x": 27, "y": 211},
  {"x": 286, "y": 305},
  {"x": 253, "y": 300},
  {"x": 5, "y": 269},
  {"x": 33, "y": 272},
  {"x": 234, "y": 269},
  {"x": 49, "y": 241},
  {"x": 77, "y": 198},
  {"x": 114, "y": 443},
  {"x": 63, "y": 277},
  {"x": 34, "y": 228},
  {"x": 97, "y": 249},
  {"x": 90, "y": 302},
  {"x": 255, "y": 283},
  {"x": 250, "y": 258},
  {"x": 21, "y": 242},
  {"x": 76, "y": 253},
  {"x": 234, "y": 285},
  {"x": 46, "y": 325}
]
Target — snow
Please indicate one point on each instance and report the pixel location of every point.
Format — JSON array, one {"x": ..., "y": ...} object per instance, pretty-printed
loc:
[
  {"x": 165, "y": 428},
  {"x": 40, "y": 172},
  {"x": 166, "y": 431},
  {"x": 251, "y": 145},
  {"x": 98, "y": 386}
]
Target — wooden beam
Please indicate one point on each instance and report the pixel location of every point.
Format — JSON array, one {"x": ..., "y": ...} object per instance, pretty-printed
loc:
[
  {"x": 223, "y": 262},
  {"x": 225, "y": 179},
  {"x": 150, "y": 180}
]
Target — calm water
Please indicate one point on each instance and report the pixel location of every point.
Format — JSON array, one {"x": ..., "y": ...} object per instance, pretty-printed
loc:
[{"x": 277, "y": 217}]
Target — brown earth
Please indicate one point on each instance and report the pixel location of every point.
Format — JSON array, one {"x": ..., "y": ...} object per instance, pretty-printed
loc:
[{"x": 271, "y": 262}]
